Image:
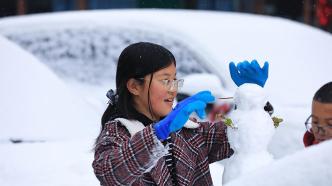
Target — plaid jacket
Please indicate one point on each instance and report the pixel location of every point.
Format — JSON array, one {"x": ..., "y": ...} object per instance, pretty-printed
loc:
[{"x": 122, "y": 158}]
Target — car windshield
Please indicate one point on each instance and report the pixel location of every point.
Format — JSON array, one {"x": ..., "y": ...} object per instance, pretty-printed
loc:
[{"x": 89, "y": 54}]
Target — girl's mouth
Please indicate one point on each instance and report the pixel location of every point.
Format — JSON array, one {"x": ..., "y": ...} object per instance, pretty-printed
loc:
[{"x": 169, "y": 100}]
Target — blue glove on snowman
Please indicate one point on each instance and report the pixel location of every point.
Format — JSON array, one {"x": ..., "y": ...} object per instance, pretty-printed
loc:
[{"x": 245, "y": 72}]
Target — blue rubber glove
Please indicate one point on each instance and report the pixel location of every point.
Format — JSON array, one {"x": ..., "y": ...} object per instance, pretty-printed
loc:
[
  {"x": 180, "y": 114},
  {"x": 246, "y": 72}
]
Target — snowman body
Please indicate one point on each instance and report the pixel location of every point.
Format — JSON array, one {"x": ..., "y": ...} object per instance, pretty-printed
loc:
[{"x": 253, "y": 130}]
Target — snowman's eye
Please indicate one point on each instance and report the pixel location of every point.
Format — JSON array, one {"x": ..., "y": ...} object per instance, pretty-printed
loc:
[
  {"x": 269, "y": 108},
  {"x": 235, "y": 106}
]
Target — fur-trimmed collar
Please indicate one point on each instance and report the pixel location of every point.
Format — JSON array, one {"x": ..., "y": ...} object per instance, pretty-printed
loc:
[{"x": 134, "y": 126}]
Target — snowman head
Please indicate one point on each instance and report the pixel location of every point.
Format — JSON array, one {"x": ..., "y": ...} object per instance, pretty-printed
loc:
[{"x": 250, "y": 96}]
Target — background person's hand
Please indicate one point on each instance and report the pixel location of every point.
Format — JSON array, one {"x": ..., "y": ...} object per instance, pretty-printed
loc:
[
  {"x": 245, "y": 72},
  {"x": 176, "y": 119}
]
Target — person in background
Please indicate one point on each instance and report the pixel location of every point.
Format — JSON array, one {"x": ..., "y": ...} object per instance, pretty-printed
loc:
[
  {"x": 324, "y": 14},
  {"x": 319, "y": 123},
  {"x": 318, "y": 13}
]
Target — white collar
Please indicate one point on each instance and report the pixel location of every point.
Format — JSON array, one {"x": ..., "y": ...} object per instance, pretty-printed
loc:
[{"x": 134, "y": 126}]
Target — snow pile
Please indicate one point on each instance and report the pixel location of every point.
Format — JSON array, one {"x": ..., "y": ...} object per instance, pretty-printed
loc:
[
  {"x": 308, "y": 167},
  {"x": 52, "y": 163},
  {"x": 35, "y": 104},
  {"x": 253, "y": 129}
]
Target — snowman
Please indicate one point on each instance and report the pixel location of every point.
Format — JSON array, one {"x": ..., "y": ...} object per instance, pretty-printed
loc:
[{"x": 252, "y": 127}]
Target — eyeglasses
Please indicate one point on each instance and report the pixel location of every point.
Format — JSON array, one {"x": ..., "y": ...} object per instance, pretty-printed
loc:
[
  {"x": 316, "y": 127},
  {"x": 172, "y": 84}
]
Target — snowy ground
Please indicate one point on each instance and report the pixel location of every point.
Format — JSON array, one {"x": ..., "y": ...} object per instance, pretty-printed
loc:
[
  {"x": 47, "y": 163},
  {"x": 57, "y": 116}
]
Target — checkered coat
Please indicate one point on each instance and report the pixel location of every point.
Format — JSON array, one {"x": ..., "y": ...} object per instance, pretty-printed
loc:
[{"x": 129, "y": 155}]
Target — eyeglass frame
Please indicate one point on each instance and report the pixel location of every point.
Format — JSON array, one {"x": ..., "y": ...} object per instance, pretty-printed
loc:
[
  {"x": 165, "y": 83},
  {"x": 319, "y": 127},
  {"x": 169, "y": 84}
]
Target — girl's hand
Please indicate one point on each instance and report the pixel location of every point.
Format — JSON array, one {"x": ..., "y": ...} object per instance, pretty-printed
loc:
[{"x": 180, "y": 114}]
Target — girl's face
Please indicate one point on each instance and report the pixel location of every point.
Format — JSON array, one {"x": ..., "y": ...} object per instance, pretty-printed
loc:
[{"x": 162, "y": 93}]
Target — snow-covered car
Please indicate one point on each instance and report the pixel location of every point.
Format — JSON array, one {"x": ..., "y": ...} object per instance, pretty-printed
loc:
[
  {"x": 87, "y": 49},
  {"x": 82, "y": 49},
  {"x": 82, "y": 45}
]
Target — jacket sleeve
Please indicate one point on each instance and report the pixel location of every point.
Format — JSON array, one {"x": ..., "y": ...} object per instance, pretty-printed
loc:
[
  {"x": 121, "y": 159},
  {"x": 215, "y": 136}
]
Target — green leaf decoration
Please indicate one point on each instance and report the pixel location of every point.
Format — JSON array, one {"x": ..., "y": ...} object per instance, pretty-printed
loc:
[
  {"x": 229, "y": 123},
  {"x": 276, "y": 121}
]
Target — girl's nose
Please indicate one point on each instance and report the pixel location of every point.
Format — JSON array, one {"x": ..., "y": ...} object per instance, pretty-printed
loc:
[{"x": 173, "y": 88}]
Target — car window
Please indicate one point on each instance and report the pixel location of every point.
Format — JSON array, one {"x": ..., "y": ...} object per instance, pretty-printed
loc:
[{"x": 90, "y": 54}]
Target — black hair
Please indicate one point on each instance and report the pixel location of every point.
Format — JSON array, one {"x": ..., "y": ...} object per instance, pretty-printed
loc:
[
  {"x": 135, "y": 61},
  {"x": 324, "y": 94}
]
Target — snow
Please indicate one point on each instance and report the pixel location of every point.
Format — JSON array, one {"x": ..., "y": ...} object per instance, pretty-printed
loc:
[
  {"x": 253, "y": 129},
  {"x": 64, "y": 163},
  {"x": 216, "y": 170},
  {"x": 89, "y": 53},
  {"x": 54, "y": 101},
  {"x": 203, "y": 81},
  {"x": 219, "y": 37},
  {"x": 39, "y": 104},
  {"x": 307, "y": 167},
  {"x": 56, "y": 126},
  {"x": 209, "y": 39}
]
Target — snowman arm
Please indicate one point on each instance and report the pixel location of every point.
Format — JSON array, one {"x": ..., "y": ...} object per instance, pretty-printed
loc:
[{"x": 215, "y": 137}]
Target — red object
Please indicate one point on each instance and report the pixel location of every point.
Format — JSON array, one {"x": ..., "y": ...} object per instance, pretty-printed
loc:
[
  {"x": 309, "y": 139},
  {"x": 324, "y": 12},
  {"x": 221, "y": 109}
]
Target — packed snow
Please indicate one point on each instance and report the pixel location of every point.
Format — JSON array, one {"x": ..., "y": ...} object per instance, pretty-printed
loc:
[
  {"x": 307, "y": 167},
  {"x": 251, "y": 133},
  {"x": 52, "y": 103}
]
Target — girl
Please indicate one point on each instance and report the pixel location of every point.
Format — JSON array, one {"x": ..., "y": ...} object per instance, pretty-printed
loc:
[{"x": 143, "y": 141}]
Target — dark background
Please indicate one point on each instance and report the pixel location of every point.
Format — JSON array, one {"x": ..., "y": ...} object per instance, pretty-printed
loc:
[{"x": 313, "y": 12}]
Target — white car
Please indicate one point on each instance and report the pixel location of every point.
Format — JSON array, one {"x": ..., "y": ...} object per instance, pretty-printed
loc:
[
  {"x": 84, "y": 46},
  {"x": 82, "y": 49}
]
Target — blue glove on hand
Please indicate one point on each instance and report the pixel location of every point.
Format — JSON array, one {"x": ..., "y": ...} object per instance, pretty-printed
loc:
[
  {"x": 180, "y": 114},
  {"x": 246, "y": 72}
]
